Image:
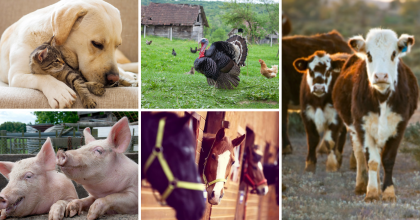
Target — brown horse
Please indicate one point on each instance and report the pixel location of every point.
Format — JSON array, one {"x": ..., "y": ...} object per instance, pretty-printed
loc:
[
  {"x": 218, "y": 163},
  {"x": 253, "y": 173}
]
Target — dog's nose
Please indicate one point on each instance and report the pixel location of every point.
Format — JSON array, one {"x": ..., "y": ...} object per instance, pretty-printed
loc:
[{"x": 111, "y": 78}]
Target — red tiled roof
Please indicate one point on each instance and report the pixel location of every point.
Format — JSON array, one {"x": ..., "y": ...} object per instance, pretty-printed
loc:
[{"x": 172, "y": 14}]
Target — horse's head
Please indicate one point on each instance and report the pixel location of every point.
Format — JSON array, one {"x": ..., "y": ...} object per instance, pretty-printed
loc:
[
  {"x": 218, "y": 164},
  {"x": 179, "y": 152},
  {"x": 253, "y": 172}
]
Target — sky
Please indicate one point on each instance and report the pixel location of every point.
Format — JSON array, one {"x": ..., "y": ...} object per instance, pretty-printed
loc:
[{"x": 24, "y": 116}]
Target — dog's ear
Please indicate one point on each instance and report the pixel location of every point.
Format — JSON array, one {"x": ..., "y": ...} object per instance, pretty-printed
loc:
[{"x": 63, "y": 19}]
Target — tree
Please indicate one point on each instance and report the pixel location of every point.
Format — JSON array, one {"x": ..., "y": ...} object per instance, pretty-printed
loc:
[
  {"x": 13, "y": 126},
  {"x": 56, "y": 117},
  {"x": 218, "y": 35},
  {"x": 243, "y": 15}
]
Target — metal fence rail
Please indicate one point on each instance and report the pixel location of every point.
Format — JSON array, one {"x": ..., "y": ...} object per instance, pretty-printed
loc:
[{"x": 32, "y": 145}]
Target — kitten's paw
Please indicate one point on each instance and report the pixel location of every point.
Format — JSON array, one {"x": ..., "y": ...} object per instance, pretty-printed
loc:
[
  {"x": 96, "y": 88},
  {"x": 89, "y": 102}
]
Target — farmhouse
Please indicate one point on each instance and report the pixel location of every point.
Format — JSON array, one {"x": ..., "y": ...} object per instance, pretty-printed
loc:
[{"x": 173, "y": 20}]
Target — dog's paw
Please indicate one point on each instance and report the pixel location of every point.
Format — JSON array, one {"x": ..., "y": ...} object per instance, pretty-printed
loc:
[
  {"x": 96, "y": 88},
  {"x": 128, "y": 83},
  {"x": 59, "y": 95}
]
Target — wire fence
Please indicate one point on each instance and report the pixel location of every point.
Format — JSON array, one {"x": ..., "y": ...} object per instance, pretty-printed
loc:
[{"x": 32, "y": 145}]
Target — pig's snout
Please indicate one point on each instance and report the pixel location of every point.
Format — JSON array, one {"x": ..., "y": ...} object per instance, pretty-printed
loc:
[
  {"x": 3, "y": 202},
  {"x": 61, "y": 158}
]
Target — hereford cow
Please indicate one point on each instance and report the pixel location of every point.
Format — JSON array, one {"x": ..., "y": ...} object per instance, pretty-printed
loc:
[
  {"x": 294, "y": 47},
  {"x": 286, "y": 25},
  {"x": 320, "y": 71},
  {"x": 375, "y": 96}
]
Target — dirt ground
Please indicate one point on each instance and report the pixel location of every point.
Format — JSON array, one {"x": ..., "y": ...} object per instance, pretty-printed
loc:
[
  {"x": 83, "y": 217},
  {"x": 331, "y": 195}
]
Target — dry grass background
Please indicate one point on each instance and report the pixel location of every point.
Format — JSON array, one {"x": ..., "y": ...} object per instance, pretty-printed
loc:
[{"x": 331, "y": 195}]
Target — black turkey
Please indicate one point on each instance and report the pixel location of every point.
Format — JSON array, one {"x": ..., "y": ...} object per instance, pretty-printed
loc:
[
  {"x": 222, "y": 61},
  {"x": 193, "y": 51}
]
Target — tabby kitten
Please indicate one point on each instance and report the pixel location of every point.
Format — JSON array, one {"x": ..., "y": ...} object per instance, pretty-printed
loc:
[{"x": 46, "y": 59}]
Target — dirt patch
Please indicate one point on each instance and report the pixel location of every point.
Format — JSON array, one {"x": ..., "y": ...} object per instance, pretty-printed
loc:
[
  {"x": 331, "y": 195},
  {"x": 416, "y": 116}
]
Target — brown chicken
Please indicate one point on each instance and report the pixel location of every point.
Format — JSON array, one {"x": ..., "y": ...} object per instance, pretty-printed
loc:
[{"x": 268, "y": 72}]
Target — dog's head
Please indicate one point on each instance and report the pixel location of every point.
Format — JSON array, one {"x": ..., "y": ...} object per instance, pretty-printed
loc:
[{"x": 88, "y": 33}]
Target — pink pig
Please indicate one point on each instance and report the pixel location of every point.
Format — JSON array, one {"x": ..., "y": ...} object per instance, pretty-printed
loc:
[
  {"x": 110, "y": 177},
  {"x": 35, "y": 186}
]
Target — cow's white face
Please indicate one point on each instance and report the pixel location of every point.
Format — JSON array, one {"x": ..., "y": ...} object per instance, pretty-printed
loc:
[
  {"x": 318, "y": 68},
  {"x": 382, "y": 50}
]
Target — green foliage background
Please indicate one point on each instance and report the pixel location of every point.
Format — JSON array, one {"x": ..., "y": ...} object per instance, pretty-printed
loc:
[
  {"x": 13, "y": 126},
  {"x": 56, "y": 117},
  {"x": 218, "y": 13}
]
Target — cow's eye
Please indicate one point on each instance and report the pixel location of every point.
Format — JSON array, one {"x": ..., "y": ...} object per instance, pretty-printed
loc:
[
  {"x": 97, "y": 45},
  {"x": 369, "y": 57},
  {"x": 393, "y": 56}
]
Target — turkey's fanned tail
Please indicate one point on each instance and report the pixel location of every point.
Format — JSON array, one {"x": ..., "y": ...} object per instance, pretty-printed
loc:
[{"x": 241, "y": 46}]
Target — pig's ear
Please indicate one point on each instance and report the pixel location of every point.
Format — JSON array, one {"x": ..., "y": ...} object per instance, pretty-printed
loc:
[
  {"x": 6, "y": 168},
  {"x": 88, "y": 137},
  {"x": 120, "y": 135},
  {"x": 46, "y": 155}
]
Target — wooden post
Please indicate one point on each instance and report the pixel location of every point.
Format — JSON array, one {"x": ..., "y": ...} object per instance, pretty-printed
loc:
[
  {"x": 144, "y": 31},
  {"x": 74, "y": 132},
  {"x": 39, "y": 140},
  {"x": 56, "y": 133},
  {"x": 271, "y": 40},
  {"x": 171, "y": 33},
  {"x": 95, "y": 133},
  {"x": 132, "y": 142},
  {"x": 3, "y": 141}
]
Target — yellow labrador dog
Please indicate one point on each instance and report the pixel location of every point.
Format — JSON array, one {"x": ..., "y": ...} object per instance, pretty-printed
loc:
[{"x": 88, "y": 33}]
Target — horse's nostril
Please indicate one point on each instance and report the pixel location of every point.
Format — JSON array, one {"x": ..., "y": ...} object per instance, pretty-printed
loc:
[
  {"x": 222, "y": 195},
  {"x": 212, "y": 195}
]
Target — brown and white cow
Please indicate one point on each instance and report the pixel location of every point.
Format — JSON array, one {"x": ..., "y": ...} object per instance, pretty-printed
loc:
[
  {"x": 375, "y": 95},
  {"x": 320, "y": 71},
  {"x": 294, "y": 47}
]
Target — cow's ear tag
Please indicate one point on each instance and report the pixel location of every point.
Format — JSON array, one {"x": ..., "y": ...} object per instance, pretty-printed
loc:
[{"x": 404, "y": 49}]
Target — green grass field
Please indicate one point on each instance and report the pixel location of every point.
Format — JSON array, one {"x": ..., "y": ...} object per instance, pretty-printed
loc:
[{"x": 164, "y": 84}]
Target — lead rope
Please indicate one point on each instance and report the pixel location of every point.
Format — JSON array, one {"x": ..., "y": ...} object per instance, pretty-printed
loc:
[{"x": 173, "y": 182}]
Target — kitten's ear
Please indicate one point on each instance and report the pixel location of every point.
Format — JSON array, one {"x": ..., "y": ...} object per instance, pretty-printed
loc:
[
  {"x": 43, "y": 54},
  {"x": 51, "y": 40}
]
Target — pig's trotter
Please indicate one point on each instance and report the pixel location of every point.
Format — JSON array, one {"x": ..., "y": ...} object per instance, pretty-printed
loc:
[
  {"x": 3, "y": 214},
  {"x": 98, "y": 208},
  {"x": 78, "y": 205},
  {"x": 57, "y": 210}
]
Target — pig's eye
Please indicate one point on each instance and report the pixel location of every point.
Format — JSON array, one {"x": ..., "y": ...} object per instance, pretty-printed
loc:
[
  {"x": 97, "y": 150},
  {"x": 233, "y": 162},
  {"x": 28, "y": 175}
]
